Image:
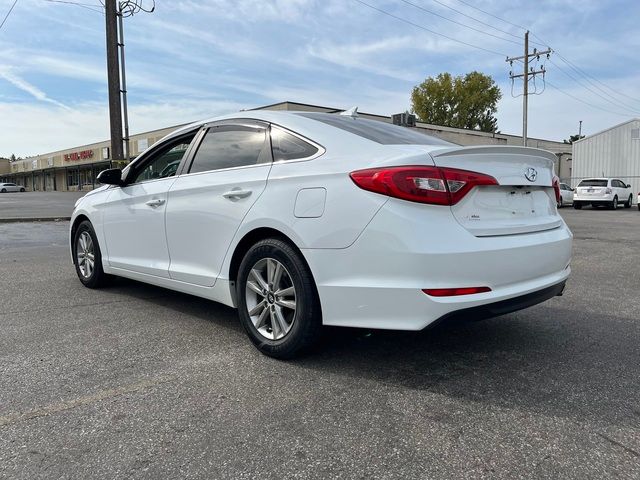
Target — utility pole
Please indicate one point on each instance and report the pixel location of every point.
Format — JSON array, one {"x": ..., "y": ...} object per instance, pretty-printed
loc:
[
  {"x": 580, "y": 130},
  {"x": 526, "y": 73},
  {"x": 113, "y": 79},
  {"x": 127, "y": 149}
]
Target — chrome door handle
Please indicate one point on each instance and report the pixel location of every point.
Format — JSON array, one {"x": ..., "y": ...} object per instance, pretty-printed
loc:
[
  {"x": 155, "y": 203},
  {"x": 238, "y": 193}
]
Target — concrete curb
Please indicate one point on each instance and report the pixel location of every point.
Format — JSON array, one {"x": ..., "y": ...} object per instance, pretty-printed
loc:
[{"x": 34, "y": 219}]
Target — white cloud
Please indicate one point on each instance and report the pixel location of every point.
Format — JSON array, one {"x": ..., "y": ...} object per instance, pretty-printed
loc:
[{"x": 25, "y": 86}]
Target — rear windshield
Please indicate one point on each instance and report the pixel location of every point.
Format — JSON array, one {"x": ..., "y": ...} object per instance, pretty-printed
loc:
[
  {"x": 380, "y": 132},
  {"x": 593, "y": 183}
]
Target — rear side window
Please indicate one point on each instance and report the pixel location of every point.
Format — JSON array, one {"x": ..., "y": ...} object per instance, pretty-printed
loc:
[
  {"x": 593, "y": 183},
  {"x": 230, "y": 146},
  {"x": 379, "y": 132},
  {"x": 289, "y": 147}
]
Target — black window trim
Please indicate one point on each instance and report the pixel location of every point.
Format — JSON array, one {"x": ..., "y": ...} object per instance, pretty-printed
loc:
[
  {"x": 142, "y": 161},
  {"x": 233, "y": 122},
  {"x": 321, "y": 150}
]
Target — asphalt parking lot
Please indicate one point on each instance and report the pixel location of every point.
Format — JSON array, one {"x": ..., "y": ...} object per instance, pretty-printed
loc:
[
  {"x": 135, "y": 381},
  {"x": 41, "y": 205}
]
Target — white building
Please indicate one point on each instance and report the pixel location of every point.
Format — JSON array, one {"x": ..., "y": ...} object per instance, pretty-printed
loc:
[{"x": 614, "y": 152}]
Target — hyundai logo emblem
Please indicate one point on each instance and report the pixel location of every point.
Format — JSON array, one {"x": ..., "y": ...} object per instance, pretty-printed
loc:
[{"x": 531, "y": 174}]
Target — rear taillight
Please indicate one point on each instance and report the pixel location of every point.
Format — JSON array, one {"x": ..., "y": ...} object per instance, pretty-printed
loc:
[
  {"x": 434, "y": 185},
  {"x": 453, "y": 292},
  {"x": 556, "y": 188}
]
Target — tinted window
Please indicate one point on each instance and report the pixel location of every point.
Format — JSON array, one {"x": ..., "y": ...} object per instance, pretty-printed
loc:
[
  {"x": 593, "y": 183},
  {"x": 231, "y": 146},
  {"x": 380, "y": 132},
  {"x": 289, "y": 147},
  {"x": 165, "y": 162}
]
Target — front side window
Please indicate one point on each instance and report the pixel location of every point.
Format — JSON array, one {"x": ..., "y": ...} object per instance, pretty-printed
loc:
[
  {"x": 286, "y": 146},
  {"x": 165, "y": 162},
  {"x": 231, "y": 146}
]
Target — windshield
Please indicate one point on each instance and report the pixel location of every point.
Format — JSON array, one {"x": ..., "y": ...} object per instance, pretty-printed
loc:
[
  {"x": 593, "y": 182},
  {"x": 376, "y": 131}
]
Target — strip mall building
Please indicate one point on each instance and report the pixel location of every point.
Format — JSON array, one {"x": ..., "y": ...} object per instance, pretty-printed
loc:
[{"x": 76, "y": 168}]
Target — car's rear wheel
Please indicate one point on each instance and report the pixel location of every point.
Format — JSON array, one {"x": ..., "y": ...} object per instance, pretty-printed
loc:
[
  {"x": 22, "y": 189},
  {"x": 87, "y": 257},
  {"x": 577, "y": 205},
  {"x": 614, "y": 205},
  {"x": 4, "y": 190},
  {"x": 277, "y": 299},
  {"x": 628, "y": 203}
]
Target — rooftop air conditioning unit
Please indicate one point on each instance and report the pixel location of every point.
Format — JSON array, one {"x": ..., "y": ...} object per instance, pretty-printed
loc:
[{"x": 404, "y": 119}]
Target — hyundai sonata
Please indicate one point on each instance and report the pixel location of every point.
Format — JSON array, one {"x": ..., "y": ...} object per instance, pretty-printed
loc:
[{"x": 307, "y": 219}]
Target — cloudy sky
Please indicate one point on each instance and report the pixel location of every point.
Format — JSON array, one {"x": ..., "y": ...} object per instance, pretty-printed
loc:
[{"x": 194, "y": 59}]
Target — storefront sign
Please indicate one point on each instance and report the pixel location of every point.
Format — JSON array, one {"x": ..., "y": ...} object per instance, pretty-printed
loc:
[{"x": 83, "y": 155}]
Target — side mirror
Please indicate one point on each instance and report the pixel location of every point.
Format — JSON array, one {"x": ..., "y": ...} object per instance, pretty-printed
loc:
[
  {"x": 628, "y": 185},
  {"x": 112, "y": 176}
]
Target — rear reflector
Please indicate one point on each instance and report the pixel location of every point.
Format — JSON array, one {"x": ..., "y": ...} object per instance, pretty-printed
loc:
[
  {"x": 433, "y": 185},
  {"x": 453, "y": 292}
]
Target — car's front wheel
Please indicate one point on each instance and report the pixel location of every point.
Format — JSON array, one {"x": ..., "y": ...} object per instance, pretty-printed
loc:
[
  {"x": 4, "y": 190},
  {"x": 22, "y": 189},
  {"x": 628, "y": 203},
  {"x": 277, "y": 299},
  {"x": 87, "y": 257}
]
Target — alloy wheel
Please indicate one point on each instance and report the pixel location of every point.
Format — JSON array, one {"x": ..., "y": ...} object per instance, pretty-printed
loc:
[
  {"x": 271, "y": 298},
  {"x": 85, "y": 254}
]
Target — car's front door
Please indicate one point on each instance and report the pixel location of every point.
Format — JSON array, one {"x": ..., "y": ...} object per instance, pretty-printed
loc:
[
  {"x": 207, "y": 203},
  {"x": 133, "y": 219}
]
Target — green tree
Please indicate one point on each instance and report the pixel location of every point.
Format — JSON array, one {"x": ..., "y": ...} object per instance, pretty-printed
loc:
[
  {"x": 12, "y": 158},
  {"x": 468, "y": 101}
]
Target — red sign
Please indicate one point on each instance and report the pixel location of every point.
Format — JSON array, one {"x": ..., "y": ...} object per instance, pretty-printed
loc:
[{"x": 83, "y": 155}]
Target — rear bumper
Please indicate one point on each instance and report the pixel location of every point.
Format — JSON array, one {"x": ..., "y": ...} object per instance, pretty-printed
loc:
[
  {"x": 505, "y": 306},
  {"x": 377, "y": 282},
  {"x": 593, "y": 198}
]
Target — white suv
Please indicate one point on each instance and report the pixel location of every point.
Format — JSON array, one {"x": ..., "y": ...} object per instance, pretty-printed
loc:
[{"x": 602, "y": 192}]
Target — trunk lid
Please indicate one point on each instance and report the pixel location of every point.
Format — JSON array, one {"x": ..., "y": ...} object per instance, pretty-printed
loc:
[{"x": 522, "y": 202}]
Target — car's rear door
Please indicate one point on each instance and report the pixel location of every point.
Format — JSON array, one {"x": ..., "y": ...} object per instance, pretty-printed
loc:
[{"x": 207, "y": 203}]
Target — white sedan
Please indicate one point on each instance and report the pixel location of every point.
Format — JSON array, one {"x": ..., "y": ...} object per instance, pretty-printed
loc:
[
  {"x": 10, "y": 187},
  {"x": 307, "y": 219}
]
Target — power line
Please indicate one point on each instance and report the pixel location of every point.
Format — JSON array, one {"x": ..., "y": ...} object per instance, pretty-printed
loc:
[
  {"x": 459, "y": 23},
  {"x": 475, "y": 19},
  {"x": 492, "y": 15},
  {"x": 8, "y": 13},
  {"x": 589, "y": 78},
  {"x": 615, "y": 103},
  {"x": 429, "y": 30},
  {"x": 587, "y": 103},
  {"x": 89, "y": 6}
]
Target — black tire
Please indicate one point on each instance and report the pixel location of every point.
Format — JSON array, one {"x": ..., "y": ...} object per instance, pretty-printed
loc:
[
  {"x": 628, "y": 203},
  {"x": 577, "y": 205},
  {"x": 22, "y": 189},
  {"x": 306, "y": 322},
  {"x": 97, "y": 277},
  {"x": 4, "y": 190},
  {"x": 614, "y": 205}
]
